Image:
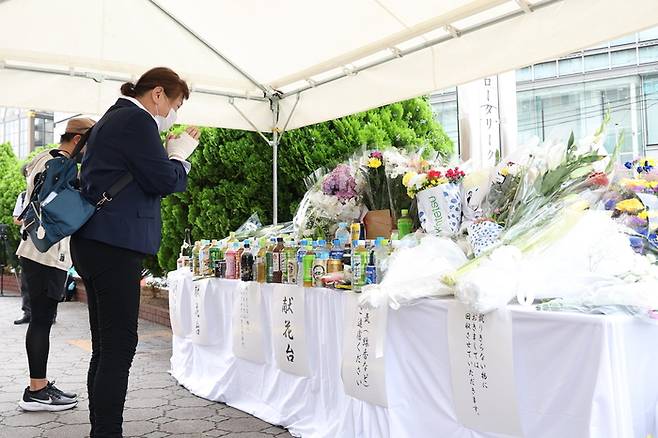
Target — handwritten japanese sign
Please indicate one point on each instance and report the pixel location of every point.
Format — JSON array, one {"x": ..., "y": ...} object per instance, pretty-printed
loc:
[
  {"x": 482, "y": 369},
  {"x": 202, "y": 308},
  {"x": 288, "y": 329},
  {"x": 179, "y": 302},
  {"x": 247, "y": 327},
  {"x": 363, "y": 367}
]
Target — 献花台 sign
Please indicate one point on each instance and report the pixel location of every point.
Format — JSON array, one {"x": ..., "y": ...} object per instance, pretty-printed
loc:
[{"x": 288, "y": 329}]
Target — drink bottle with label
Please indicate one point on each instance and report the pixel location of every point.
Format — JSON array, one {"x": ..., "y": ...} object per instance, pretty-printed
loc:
[
  {"x": 355, "y": 232},
  {"x": 300, "y": 261},
  {"x": 336, "y": 257},
  {"x": 291, "y": 263},
  {"x": 230, "y": 261},
  {"x": 371, "y": 269},
  {"x": 269, "y": 262},
  {"x": 320, "y": 263},
  {"x": 276, "y": 261},
  {"x": 343, "y": 234},
  {"x": 247, "y": 263},
  {"x": 260, "y": 273},
  {"x": 238, "y": 261},
  {"x": 359, "y": 264},
  {"x": 307, "y": 262},
  {"x": 195, "y": 259}
]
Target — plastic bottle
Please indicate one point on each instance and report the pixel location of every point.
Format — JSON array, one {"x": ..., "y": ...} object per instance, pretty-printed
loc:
[
  {"x": 195, "y": 258},
  {"x": 291, "y": 263},
  {"x": 343, "y": 234},
  {"x": 355, "y": 231},
  {"x": 238, "y": 261},
  {"x": 307, "y": 261},
  {"x": 359, "y": 263},
  {"x": 371, "y": 269},
  {"x": 300, "y": 261},
  {"x": 336, "y": 257},
  {"x": 405, "y": 224},
  {"x": 269, "y": 262},
  {"x": 284, "y": 260},
  {"x": 230, "y": 261},
  {"x": 382, "y": 252},
  {"x": 247, "y": 263},
  {"x": 260, "y": 273},
  {"x": 320, "y": 263},
  {"x": 277, "y": 272}
]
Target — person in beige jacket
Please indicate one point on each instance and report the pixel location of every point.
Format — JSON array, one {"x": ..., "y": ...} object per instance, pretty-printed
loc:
[{"x": 45, "y": 275}]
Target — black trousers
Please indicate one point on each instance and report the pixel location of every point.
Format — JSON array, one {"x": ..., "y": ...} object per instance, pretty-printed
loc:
[
  {"x": 45, "y": 285},
  {"x": 112, "y": 278},
  {"x": 25, "y": 294}
]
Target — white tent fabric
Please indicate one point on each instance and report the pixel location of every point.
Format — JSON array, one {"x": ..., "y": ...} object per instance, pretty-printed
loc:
[{"x": 330, "y": 57}]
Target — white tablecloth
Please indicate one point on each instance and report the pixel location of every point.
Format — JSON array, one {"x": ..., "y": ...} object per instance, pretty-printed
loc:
[{"x": 576, "y": 375}]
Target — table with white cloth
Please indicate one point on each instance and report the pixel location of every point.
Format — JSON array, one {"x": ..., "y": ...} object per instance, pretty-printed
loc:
[{"x": 576, "y": 375}]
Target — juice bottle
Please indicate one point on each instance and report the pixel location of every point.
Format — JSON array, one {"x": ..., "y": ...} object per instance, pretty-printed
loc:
[
  {"x": 300, "y": 261},
  {"x": 269, "y": 262},
  {"x": 238, "y": 261},
  {"x": 247, "y": 264},
  {"x": 307, "y": 262},
  {"x": 277, "y": 271},
  {"x": 336, "y": 257},
  {"x": 291, "y": 263},
  {"x": 320, "y": 263},
  {"x": 283, "y": 261},
  {"x": 359, "y": 263},
  {"x": 405, "y": 224},
  {"x": 230, "y": 261},
  {"x": 371, "y": 269},
  {"x": 204, "y": 255}
]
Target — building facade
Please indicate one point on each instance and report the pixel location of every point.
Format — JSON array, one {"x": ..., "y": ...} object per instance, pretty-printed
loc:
[
  {"x": 575, "y": 92},
  {"x": 26, "y": 130}
]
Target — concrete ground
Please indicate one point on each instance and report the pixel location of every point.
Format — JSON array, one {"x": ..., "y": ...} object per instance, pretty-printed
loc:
[{"x": 156, "y": 405}]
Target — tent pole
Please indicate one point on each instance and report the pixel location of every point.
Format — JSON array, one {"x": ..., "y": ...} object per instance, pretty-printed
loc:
[{"x": 275, "y": 158}]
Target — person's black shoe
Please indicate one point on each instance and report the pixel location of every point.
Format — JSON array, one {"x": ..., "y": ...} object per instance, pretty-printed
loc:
[
  {"x": 45, "y": 399},
  {"x": 69, "y": 395},
  {"x": 24, "y": 320}
]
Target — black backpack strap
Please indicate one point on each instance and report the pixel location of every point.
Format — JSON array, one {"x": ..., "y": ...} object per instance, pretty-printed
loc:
[{"x": 109, "y": 194}]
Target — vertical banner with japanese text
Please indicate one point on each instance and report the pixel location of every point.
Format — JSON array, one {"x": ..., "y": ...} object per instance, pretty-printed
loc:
[
  {"x": 363, "y": 365},
  {"x": 179, "y": 305},
  {"x": 247, "y": 327},
  {"x": 288, "y": 329},
  {"x": 482, "y": 370}
]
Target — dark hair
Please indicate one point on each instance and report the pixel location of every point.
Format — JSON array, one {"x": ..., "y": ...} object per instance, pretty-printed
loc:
[
  {"x": 24, "y": 170},
  {"x": 67, "y": 136},
  {"x": 164, "y": 77}
]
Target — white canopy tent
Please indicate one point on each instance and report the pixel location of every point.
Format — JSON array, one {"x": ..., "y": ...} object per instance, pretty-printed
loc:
[{"x": 272, "y": 65}]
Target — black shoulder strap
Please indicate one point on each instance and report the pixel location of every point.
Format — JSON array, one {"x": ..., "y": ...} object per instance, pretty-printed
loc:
[{"x": 110, "y": 193}]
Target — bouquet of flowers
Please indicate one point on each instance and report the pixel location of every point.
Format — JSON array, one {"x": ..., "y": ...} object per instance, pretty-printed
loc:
[{"x": 332, "y": 198}]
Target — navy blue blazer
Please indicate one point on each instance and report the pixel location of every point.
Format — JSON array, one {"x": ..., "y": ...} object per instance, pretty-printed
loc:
[{"x": 127, "y": 140}]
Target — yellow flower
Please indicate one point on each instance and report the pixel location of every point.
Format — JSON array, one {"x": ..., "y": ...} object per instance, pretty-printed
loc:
[
  {"x": 631, "y": 206},
  {"x": 411, "y": 194},
  {"x": 442, "y": 180},
  {"x": 504, "y": 171},
  {"x": 374, "y": 163},
  {"x": 407, "y": 177},
  {"x": 643, "y": 215}
]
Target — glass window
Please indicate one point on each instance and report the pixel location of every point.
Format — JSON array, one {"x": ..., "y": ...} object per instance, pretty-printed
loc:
[
  {"x": 648, "y": 54},
  {"x": 597, "y": 62},
  {"x": 446, "y": 114},
  {"x": 570, "y": 66},
  {"x": 649, "y": 34},
  {"x": 545, "y": 70},
  {"x": 651, "y": 98},
  {"x": 628, "y": 39},
  {"x": 524, "y": 74},
  {"x": 623, "y": 57}
]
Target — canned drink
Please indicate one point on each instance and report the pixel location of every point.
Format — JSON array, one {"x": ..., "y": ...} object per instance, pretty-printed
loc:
[{"x": 334, "y": 266}]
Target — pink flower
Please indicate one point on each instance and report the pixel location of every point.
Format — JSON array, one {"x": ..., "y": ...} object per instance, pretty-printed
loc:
[{"x": 376, "y": 154}]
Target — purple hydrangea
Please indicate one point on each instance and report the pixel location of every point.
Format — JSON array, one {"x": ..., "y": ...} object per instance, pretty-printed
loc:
[{"x": 340, "y": 183}]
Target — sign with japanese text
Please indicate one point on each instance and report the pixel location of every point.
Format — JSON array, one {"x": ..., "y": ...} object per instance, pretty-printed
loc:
[
  {"x": 482, "y": 368},
  {"x": 288, "y": 329},
  {"x": 179, "y": 312},
  {"x": 247, "y": 328},
  {"x": 200, "y": 325},
  {"x": 363, "y": 366},
  {"x": 490, "y": 118}
]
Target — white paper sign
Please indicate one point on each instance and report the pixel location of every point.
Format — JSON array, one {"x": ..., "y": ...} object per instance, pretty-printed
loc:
[
  {"x": 203, "y": 309},
  {"x": 482, "y": 368},
  {"x": 288, "y": 329},
  {"x": 363, "y": 368},
  {"x": 247, "y": 328},
  {"x": 490, "y": 118},
  {"x": 179, "y": 303}
]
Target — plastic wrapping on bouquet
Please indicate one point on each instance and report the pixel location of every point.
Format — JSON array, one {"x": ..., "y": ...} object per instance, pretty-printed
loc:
[
  {"x": 440, "y": 209},
  {"x": 483, "y": 235}
]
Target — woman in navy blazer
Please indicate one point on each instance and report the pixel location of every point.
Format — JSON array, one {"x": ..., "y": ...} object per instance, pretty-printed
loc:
[{"x": 109, "y": 250}]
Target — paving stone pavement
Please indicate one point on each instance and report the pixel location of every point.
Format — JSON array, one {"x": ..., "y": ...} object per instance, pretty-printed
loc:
[{"x": 156, "y": 406}]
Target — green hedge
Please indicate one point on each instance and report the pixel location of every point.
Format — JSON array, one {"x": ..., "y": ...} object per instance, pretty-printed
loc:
[{"x": 11, "y": 184}]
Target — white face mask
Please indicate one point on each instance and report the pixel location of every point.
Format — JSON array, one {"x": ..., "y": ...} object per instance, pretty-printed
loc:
[{"x": 164, "y": 123}]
